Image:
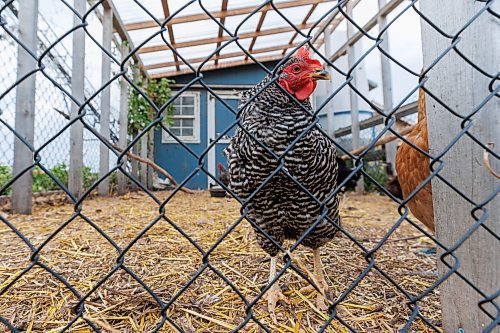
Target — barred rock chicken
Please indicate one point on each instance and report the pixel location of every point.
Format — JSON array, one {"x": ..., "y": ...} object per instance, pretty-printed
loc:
[
  {"x": 273, "y": 120},
  {"x": 413, "y": 168}
]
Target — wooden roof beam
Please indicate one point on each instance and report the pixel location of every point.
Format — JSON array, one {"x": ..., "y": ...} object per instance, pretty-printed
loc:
[
  {"x": 222, "y": 21},
  {"x": 259, "y": 26},
  {"x": 218, "y": 66},
  {"x": 166, "y": 11},
  {"x": 252, "y": 34},
  {"x": 224, "y": 56},
  {"x": 304, "y": 21},
  {"x": 219, "y": 14},
  {"x": 228, "y": 64},
  {"x": 121, "y": 30}
]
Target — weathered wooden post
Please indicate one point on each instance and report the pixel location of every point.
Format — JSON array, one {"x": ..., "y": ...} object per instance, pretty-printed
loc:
[
  {"x": 391, "y": 147},
  {"x": 463, "y": 88},
  {"x": 351, "y": 59},
  {"x": 329, "y": 87},
  {"x": 22, "y": 189},
  {"x": 75, "y": 179},
  {"x": 107, "y": 34},
  {"x": 123, "y": 120},
  {"x": 135, "y": 148}
]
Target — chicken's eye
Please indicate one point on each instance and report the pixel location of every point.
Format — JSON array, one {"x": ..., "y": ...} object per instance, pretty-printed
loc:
[{"x": 296, "y": 69}]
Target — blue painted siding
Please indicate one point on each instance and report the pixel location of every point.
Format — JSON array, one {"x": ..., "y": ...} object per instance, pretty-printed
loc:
[{"x": 173, "y": 157}]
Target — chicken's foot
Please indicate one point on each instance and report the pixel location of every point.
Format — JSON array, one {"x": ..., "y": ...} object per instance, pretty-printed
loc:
[
  {"x": 325, "y": 297},
  {"x": 274, "y": 294}
]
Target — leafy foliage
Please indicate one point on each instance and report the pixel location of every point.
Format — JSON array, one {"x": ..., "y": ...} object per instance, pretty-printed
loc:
[
  {"x": 42, "y": 182},
  {"x": 140, "y": 112},
  {"x": 378, "y": 171}
]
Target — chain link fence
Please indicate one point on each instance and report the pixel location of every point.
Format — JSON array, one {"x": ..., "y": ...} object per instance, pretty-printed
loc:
[
  {"x": 53, "y": 104},
  {"x": 51, "y": 133}
]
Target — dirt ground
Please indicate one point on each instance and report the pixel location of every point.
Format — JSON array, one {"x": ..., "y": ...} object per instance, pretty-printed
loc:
[{"x": 165, "y": 260}]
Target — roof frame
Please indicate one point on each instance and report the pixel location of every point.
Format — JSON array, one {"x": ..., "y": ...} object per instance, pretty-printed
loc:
[{"x": 220, "y": 14}]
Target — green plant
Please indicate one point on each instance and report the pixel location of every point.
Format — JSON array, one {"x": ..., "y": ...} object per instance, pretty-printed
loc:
[
  {"x": 5, "y": 176},
  {"x": 378, "y": 171},
  {"x": 140, "y": 112}
]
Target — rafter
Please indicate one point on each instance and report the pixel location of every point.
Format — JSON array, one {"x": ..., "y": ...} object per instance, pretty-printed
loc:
[
  {"x": 166, "y": 11},
  {"x": 304, "y": 21},
  {"x": 204, "y": 41},
  {"x": 259, "y": 26},
  {"x": 225, "y": 56},
  {"x": 218, "y": 66},
  {"x": 222, "y": 21},
  {"x": 226, "y": 13}
]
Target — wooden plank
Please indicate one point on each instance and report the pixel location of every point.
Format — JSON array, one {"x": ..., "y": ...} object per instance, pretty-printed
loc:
[
  {"x": 463, "y": 88},
  {"x": 143, "y": 175},
  {"x": 123, "y": 123},
  {"x": 304, "y": 21},
  {"x": 22, "y": 189},
  {"x": 166, "y": 12},
  {"x": 204, "y": 41},
  {"x": 386, "y": 10},
  {"x": 119, "y": 27},
  {"x": 257, "y": 29},
  {"x": 222, "y": 21},
  {"x": 223, "y": 56},
  {"x": 351, "y": 59},
  {"x": 390, "y": 147},
  {"x": 405, "y": 110},
  {"x": 219, "y": 14},
  {"x": 104, "y": 130},
  {"x": 75, "y": 177},
  {"x": 219, "y": 66}
]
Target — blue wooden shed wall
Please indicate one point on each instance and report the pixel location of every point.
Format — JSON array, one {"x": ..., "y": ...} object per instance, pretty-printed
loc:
[{"x": 174, "y": 157}]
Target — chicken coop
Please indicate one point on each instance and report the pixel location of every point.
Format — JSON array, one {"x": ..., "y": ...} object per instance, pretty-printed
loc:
[{"x": 249, "y": 166}]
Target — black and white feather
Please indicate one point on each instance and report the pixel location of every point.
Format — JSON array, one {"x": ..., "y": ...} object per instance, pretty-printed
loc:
[{"x": 281, "y": 208}]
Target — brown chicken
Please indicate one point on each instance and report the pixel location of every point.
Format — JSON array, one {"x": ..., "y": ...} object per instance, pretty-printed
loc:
[{"x": 413, "y": 168}]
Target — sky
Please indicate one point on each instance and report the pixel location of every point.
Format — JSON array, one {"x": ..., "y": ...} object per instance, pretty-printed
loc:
[{"x": 404, "y": 35}]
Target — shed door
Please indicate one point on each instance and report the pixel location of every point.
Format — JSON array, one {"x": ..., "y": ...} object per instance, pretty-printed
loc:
[{"x": 220, "y": 118}]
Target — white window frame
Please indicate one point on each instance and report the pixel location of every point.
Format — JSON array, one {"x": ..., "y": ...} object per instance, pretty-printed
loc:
[{"x": 195, "y": 138}]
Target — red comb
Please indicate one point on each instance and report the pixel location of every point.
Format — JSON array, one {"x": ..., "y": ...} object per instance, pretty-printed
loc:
[{"x": 303, "y": 54}]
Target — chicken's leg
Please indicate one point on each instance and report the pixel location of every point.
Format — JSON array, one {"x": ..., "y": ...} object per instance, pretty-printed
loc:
[
  {"x": 274, "y": 294},
  {"x": 325, "y": 296}
]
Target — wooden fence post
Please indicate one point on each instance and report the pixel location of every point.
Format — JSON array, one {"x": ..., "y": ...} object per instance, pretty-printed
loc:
[
  {"x": 107, "y": 34},
  {"x": 391, "y": 147},
  {"x": 22, "y": 189},
  {"x": 351, "y": 59},
  {"x": 123, "y": 120},
  {"x": 463, "y": 88},
  {"x": 75, "y": 178}
]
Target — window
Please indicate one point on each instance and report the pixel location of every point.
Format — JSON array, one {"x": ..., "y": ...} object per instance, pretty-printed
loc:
[{"x": 185, "y": 123}]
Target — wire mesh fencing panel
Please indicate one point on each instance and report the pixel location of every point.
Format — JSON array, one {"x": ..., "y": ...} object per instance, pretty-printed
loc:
[
  {"x": 53, "y": 104},
  {"x": 283, "y": 177}
]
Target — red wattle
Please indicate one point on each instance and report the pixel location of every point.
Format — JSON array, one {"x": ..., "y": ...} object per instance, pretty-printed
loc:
[
  {"x": 285, "y": 85},
  {"x": 306, "y": 91}
]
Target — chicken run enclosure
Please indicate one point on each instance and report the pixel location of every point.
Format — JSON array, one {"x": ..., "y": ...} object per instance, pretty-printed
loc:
[{"x": 101, "y": 232}]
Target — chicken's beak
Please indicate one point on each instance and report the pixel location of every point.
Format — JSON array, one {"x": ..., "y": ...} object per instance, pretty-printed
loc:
[{"x": 321, "y": 74}]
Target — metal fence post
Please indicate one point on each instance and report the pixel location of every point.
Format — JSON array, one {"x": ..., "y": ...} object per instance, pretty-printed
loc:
[
  {"x": 75, "y": 178},
  {"x": 351, "y": 59},
  {"x": 463, "y": 88},
  {"x": 107, "y": 34},
  {"x": 22, "y": 189},
  {"x": 391, "y": 147},
  {"x": 123, "y": 120}
]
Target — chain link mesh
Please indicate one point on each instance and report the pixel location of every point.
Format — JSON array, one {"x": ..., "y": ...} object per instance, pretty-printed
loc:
[{"x": 50, "y": 132}]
